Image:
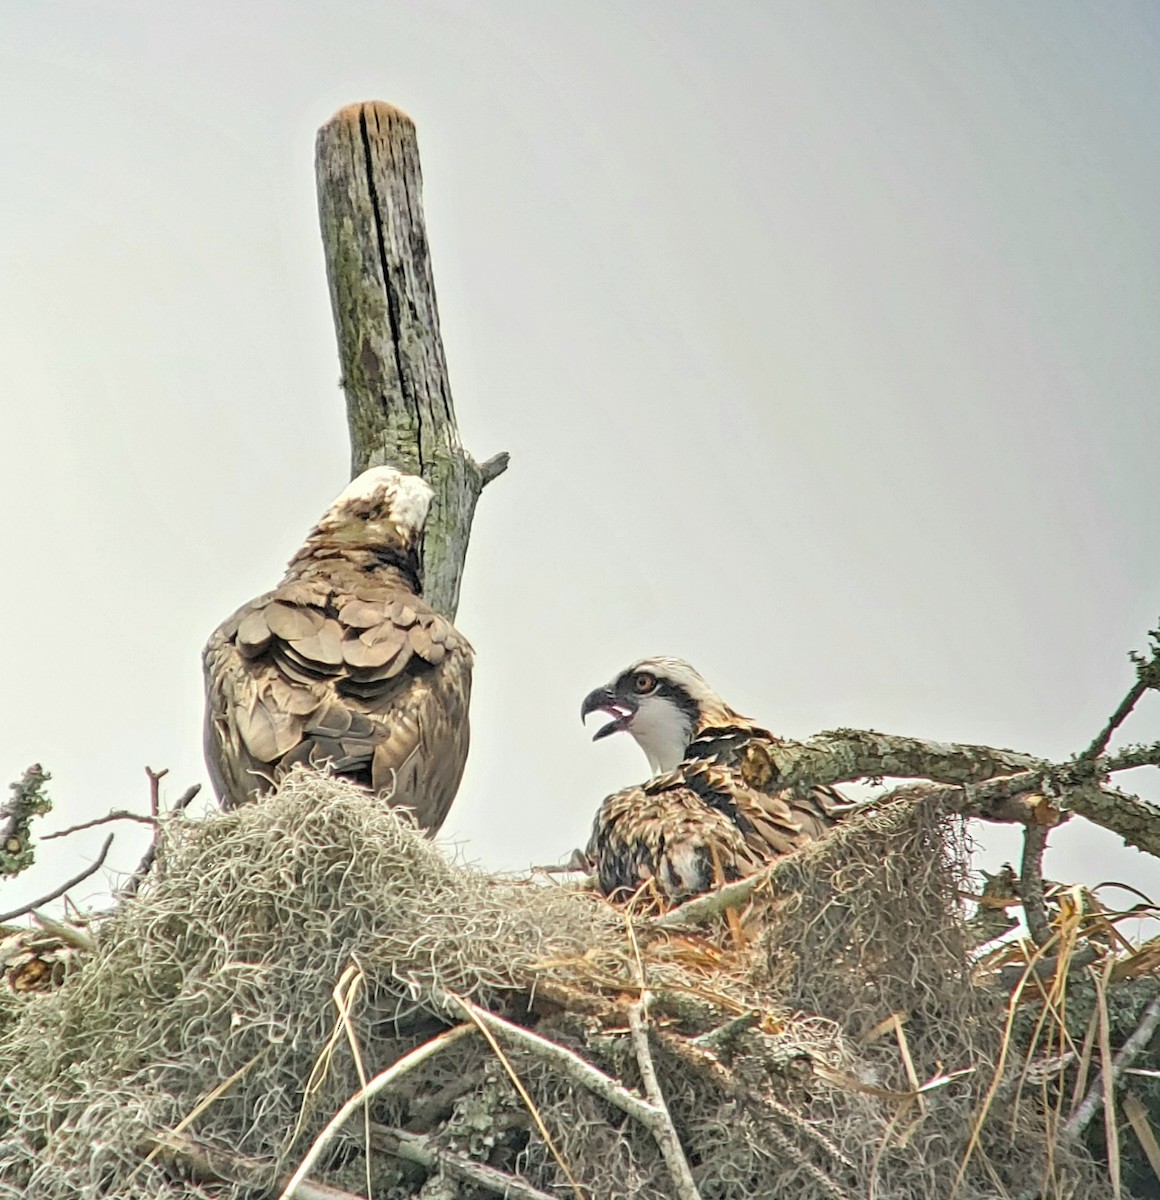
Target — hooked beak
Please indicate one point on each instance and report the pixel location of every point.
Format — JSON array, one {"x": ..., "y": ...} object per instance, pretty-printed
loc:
[{"x": 604, "y": 699}]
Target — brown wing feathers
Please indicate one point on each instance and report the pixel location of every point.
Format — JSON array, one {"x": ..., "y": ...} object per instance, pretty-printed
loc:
[
  {"x": 699, "y": 826},
  {"x": 346, "y": 666}
]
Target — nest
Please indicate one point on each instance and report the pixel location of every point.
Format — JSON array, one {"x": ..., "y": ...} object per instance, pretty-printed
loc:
[{"x": 835, "y": 1046}]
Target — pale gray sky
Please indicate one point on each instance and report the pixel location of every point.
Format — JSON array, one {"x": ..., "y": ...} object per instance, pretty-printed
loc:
[{"x": 824, "y": 337}]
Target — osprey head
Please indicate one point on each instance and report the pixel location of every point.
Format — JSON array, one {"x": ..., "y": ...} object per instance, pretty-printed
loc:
[
  {"x": 377, "y": 519},
  {"x": 381, "y": 506},
  {"x": 664, "y": 703}
]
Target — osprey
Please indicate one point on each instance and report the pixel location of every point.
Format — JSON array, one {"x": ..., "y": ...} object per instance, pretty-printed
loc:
[
  {"x": 696, "y": 823},
  {"x": 343, "y": 663}
]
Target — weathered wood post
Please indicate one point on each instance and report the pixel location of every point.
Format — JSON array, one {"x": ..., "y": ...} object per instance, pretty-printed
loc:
[{"x": 398, "y": 399}]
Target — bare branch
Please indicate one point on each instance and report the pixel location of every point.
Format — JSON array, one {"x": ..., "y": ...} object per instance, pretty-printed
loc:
[
  {"x": 723, "y": 1036},
  {"x": 74, "y": 936},
  {"x": 1031, "y": 883},
  {"x": 843, "y": 755},
  {"x": 118, "y": 814},
  {"x": 1009, "y": 799},
  {"x": 414, "y": 1147},
  {"x": 155, "y": 778},
  {"x": 1129, "y": 702},
  {"x": 1125, "y": 1056},
  {"x": 1133, "y": 819},
  {"x": 493, "y": 467},
  {"x": 702, "y": 909},
  {"x": 143, "y": 868},
  {"x": 1147, "y": 678},
  {"x": 570, "y": 1063},
  {"x": 1017, "y": 973},
  {"x": 993, "y": 785},
  {"x": 663, "y": 1131},
  {"x": 218, "y": 1165},
  {"x": 1128, "y": 758},
  {"x": 60, "y": 891},
  {"x": 381, "y": 1081}
]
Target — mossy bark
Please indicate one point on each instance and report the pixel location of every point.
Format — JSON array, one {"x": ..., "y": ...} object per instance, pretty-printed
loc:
[
  {"x": 382, "y": 292},
  {"x": 28, "y": 800},
  {"x": 982, "y": 781}
]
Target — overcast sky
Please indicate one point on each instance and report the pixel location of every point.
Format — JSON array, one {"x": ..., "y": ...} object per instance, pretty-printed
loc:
[{"x": 823, "y": 336}]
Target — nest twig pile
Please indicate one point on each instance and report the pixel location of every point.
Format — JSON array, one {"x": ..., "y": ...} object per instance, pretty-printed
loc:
[{"x": 294, "y": 949}]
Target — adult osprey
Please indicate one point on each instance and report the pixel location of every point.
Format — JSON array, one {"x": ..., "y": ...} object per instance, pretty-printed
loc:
[
  {"x": 697, "y": 822},
  {"x": 344, "y": 663}
]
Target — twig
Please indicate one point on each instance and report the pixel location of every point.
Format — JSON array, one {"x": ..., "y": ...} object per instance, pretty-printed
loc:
[
  {"x": 118, "y": 814},
  {"x": 228, "y": 1166},
  {"x": 1125, "y": 1056},
  {"x": 416, "y": 1148},
  {"x": 1000, "y": 1065},
  {"x": 1042, "y": 969},
  {"x": 1130, "y": 757},
  {"x": 566, "y": 1060},
  {"x": 381, "y": 1081},
  {"x": 60, "y": 891},
  {"x": 80, "y": 938},
  {"x": 663, "y": 1131},
  {"x": 694, "y": 1055},
  {"x": 472, "y": 1011},
  {"x": 1031, "y": 883},
  {"x": 494, "y": 467},
  {"x": 150, "y": 856},
  {"x": 155, "y": 778},
  {"x": 560, "y": 995},
  {"x": 207, "y": 1101},
  {"x": 185, "y": 799},
  {"x": 702, "y": 909},
  {"x": 1107, "y": 1074},
  {"x": 1100, "y": 743},
  {"x": 577, "y": 862}
]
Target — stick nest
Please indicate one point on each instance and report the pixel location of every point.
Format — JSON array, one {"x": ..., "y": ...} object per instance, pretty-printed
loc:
[{"x": 209, "y": 1008}]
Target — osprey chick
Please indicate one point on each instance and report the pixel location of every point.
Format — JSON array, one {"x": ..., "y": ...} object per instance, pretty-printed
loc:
[
  {"x": 696, "y": 823},
  {"x": 344, "y": 663}
]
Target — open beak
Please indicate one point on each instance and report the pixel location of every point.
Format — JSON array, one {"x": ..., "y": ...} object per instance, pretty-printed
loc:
[{"x": 605, "y": 700}]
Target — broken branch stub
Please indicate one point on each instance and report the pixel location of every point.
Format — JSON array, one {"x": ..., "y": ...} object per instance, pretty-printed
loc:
[{"x": 382, "y": 293}]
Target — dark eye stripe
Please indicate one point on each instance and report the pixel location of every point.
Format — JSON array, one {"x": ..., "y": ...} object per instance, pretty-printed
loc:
[{"x": 680, "y": 698}]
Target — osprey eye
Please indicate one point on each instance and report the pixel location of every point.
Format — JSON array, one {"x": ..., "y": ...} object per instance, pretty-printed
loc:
[{"x": 643, "y": 684}]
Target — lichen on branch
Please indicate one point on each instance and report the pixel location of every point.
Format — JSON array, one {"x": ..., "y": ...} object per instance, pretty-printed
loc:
[{"x": 28, "y": 800}]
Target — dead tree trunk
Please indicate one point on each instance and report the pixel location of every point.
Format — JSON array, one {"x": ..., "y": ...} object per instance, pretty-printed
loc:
[{"x": 398, "y": 399}]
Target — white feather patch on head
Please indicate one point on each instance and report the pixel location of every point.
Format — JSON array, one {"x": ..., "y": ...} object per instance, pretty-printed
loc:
[
  {"x": 662, "y": 731},
  {"x": 405, "y": 499}
]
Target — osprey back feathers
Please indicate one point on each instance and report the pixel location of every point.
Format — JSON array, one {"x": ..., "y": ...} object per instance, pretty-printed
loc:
[
  {"x": 696, "y": 823},
  {"x": 344, "y": 663}
]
